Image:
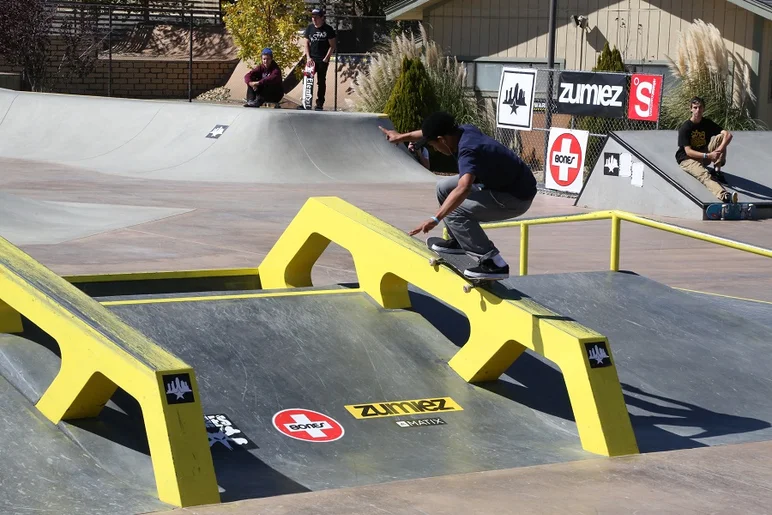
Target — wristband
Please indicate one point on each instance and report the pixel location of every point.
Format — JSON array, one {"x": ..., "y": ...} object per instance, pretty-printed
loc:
[
  {"x": 704, "y": 155},
  {"x": 436, "y": 220}
]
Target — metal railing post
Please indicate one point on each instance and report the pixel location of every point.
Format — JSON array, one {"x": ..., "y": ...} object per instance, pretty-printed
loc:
[
  {"x": 616, "y": 228},
  {"x": 110, "y": 52},
  {"x": 523, "y": 249},
  {"x": 335, "y": 100},
  {"x": 190, "y": 62}
]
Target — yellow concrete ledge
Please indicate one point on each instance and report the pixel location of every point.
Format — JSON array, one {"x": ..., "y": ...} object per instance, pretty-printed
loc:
[
  {"x": 387, "y": 259},
  {"x": 100, "y": 353}
]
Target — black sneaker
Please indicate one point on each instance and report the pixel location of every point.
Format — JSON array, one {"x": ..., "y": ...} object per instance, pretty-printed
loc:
[
  {"x": 447, "y": 247},
  {"x": 318, "y": 108},
  {"x": 487, "y": 270},
  {"x": 719, "y": 177}
]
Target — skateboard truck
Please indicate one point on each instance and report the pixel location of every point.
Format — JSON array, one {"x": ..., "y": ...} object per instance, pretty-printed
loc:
[{"x": 436, "y": 261}]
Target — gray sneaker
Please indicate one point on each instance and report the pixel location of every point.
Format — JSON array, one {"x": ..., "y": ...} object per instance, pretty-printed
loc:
[{"x": 448, "y": 247}]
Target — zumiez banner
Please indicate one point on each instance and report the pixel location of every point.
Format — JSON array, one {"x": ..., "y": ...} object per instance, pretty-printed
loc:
[{"x": 592, "y": 94}]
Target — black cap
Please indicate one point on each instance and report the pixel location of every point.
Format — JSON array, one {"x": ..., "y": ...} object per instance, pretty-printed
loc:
[
  {"x": 319, "y": 12},
  {"x": 436, "y": 125}
]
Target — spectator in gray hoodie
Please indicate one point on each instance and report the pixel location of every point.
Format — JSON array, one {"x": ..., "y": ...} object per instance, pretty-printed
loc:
[{"x": 264, "y": 83}]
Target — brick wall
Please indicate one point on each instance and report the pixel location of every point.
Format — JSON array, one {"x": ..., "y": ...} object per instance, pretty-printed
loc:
[{"x": 137, "y": 77}]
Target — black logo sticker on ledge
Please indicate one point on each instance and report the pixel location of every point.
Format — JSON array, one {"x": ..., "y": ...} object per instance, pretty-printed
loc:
[
  {"x": 597, "y": 354},
  {"x": 177, "y": 388},
  {"x": 610, "y": 164}
]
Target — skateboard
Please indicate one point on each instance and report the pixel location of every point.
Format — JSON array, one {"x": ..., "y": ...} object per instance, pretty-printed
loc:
[
  {"x": 457, "y": 263},
  {"x": 728, "y": 211},
  {"x": 308, "y": 85}
]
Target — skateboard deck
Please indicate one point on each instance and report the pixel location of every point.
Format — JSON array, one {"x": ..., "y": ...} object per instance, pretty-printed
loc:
[
  {"x": 457, "y": 263},
  {"x": 308, "y": 85},
  {"x": 728, "y": 211}
]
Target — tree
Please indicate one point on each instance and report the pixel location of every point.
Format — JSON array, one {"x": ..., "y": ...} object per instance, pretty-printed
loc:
[
  {"x": 80, "y": 33},
  {"x": 703, "y": 66},
  {"x": 412, "y": 98},
  {"x": 24, "y": 38},
  {"x": 257, "y": 24},
  {"x": 609, "y": 61}
]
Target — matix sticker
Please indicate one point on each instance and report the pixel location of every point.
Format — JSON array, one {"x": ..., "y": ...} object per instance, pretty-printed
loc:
[
  {"x": 396, "y": 408},
  {"x": 422, "y": 422}
]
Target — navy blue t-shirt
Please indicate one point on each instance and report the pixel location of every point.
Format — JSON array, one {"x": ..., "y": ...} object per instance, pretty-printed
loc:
[{"x": 493, "y": 165}]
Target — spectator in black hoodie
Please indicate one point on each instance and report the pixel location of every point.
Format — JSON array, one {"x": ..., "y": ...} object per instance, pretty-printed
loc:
[{"x": 264, "y": 83}]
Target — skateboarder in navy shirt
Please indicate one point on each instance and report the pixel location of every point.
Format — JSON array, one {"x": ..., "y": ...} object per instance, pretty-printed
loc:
[
  {"x": 701, "y": 141},
  {"x": 492, "y": 184},
  {"x": 320, "y": 44}
]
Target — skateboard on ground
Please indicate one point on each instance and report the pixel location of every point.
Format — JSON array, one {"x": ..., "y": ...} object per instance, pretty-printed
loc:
[
  {"x": 308, "y": 85},
  {"x": 457, "y": 263},
  {"x": 729, "y": 211}
]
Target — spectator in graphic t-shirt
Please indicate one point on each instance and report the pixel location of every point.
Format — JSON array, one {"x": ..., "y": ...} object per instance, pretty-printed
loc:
[
  {"x": 264, "y": 82},
  {"x": 701, "y": 141},
  {"x": 492, "y": 184},
  {"x": 320, "y": 44}
]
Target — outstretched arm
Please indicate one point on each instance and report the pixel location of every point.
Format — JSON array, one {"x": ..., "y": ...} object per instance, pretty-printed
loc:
[
  {"x": 395, "y": 137},
  {"x": 455, "y": 199}
]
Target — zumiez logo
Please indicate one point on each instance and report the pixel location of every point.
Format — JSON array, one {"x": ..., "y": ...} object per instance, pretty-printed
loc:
[
  {"x": 396, "y": 408},
  {"x": 591, "y": 94}
]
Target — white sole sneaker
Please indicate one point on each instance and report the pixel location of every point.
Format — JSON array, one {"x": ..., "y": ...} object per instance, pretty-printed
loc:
[
  {"x": 476, "y": 275},
  {"x": 445, "y": 250}
]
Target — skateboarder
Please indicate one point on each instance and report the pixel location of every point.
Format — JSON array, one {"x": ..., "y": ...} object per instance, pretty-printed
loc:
[
  {"x": 264, "y": 82},
  {"x": 320, "y": 45},
  {"x": 701, "y": 142},
  {"x": 492, "y": 184}
]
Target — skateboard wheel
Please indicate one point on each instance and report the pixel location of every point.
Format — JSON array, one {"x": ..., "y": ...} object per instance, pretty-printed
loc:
[
  {"x": 434, "y": 261},
  {"x": 467, "y": 288}
]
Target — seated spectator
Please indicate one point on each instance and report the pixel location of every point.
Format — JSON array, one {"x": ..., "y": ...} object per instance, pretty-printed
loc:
[{"x": 264, "y": 83}]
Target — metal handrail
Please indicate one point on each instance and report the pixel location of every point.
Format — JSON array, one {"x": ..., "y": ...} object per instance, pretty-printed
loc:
[{"x": 616, "y": 218}]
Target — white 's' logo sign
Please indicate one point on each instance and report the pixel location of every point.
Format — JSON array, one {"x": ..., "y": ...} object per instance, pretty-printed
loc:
[{"x": 644, "y": 97}]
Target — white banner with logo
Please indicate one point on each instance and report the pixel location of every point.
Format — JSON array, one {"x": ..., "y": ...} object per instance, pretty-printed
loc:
[
  {"x": 514, "y": 106},
  {"x": 565, "y": 160}
]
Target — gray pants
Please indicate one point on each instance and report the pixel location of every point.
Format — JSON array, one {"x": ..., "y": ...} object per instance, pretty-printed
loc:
[{"x": 463, "y": 223}]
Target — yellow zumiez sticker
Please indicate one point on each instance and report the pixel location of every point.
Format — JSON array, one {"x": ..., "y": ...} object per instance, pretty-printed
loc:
[{"x": 397, "y": 408}]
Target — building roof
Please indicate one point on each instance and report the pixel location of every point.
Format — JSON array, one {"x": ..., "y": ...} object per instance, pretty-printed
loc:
[
  {"x": 762, "y": 8},
  {"x": 413, "y": 9}
]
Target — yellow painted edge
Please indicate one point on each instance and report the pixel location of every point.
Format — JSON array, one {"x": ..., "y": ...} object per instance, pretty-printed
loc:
[
  {"x": 725, "y": 296},
  {"x": 139, "y": 276},
  {"x": 231, "y": 297}
]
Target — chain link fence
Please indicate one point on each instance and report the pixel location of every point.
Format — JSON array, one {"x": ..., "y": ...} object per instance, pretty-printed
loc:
[{"x": 531, "y": 146}]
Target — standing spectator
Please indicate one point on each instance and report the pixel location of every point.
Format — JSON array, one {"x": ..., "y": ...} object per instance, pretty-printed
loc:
[
  {"x": 320, "y": 44},
  {"x": 264, "y": 82}
]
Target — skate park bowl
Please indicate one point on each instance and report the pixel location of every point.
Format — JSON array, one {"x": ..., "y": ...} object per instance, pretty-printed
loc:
[
  {"x": 133, "y": 138},
  {"x": 633, "y": 173}
]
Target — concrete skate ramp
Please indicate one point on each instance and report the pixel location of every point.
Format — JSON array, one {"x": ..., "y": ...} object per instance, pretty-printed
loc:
[
  {"x": 666, "y": 190},
  {"x": 694, "y": 368},
  {"x": 44, "y": 470},
  {"x": 256, "y": 356},
  {"x": 174, "y": 141},
  {"x": 25, "y": 221}
]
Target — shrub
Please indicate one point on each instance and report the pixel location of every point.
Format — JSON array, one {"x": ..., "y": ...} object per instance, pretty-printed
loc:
[
  {"x": 704, "y": 67},
  {"x": 446, "y": 75},
  {"x": 412, "y": 98}
]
